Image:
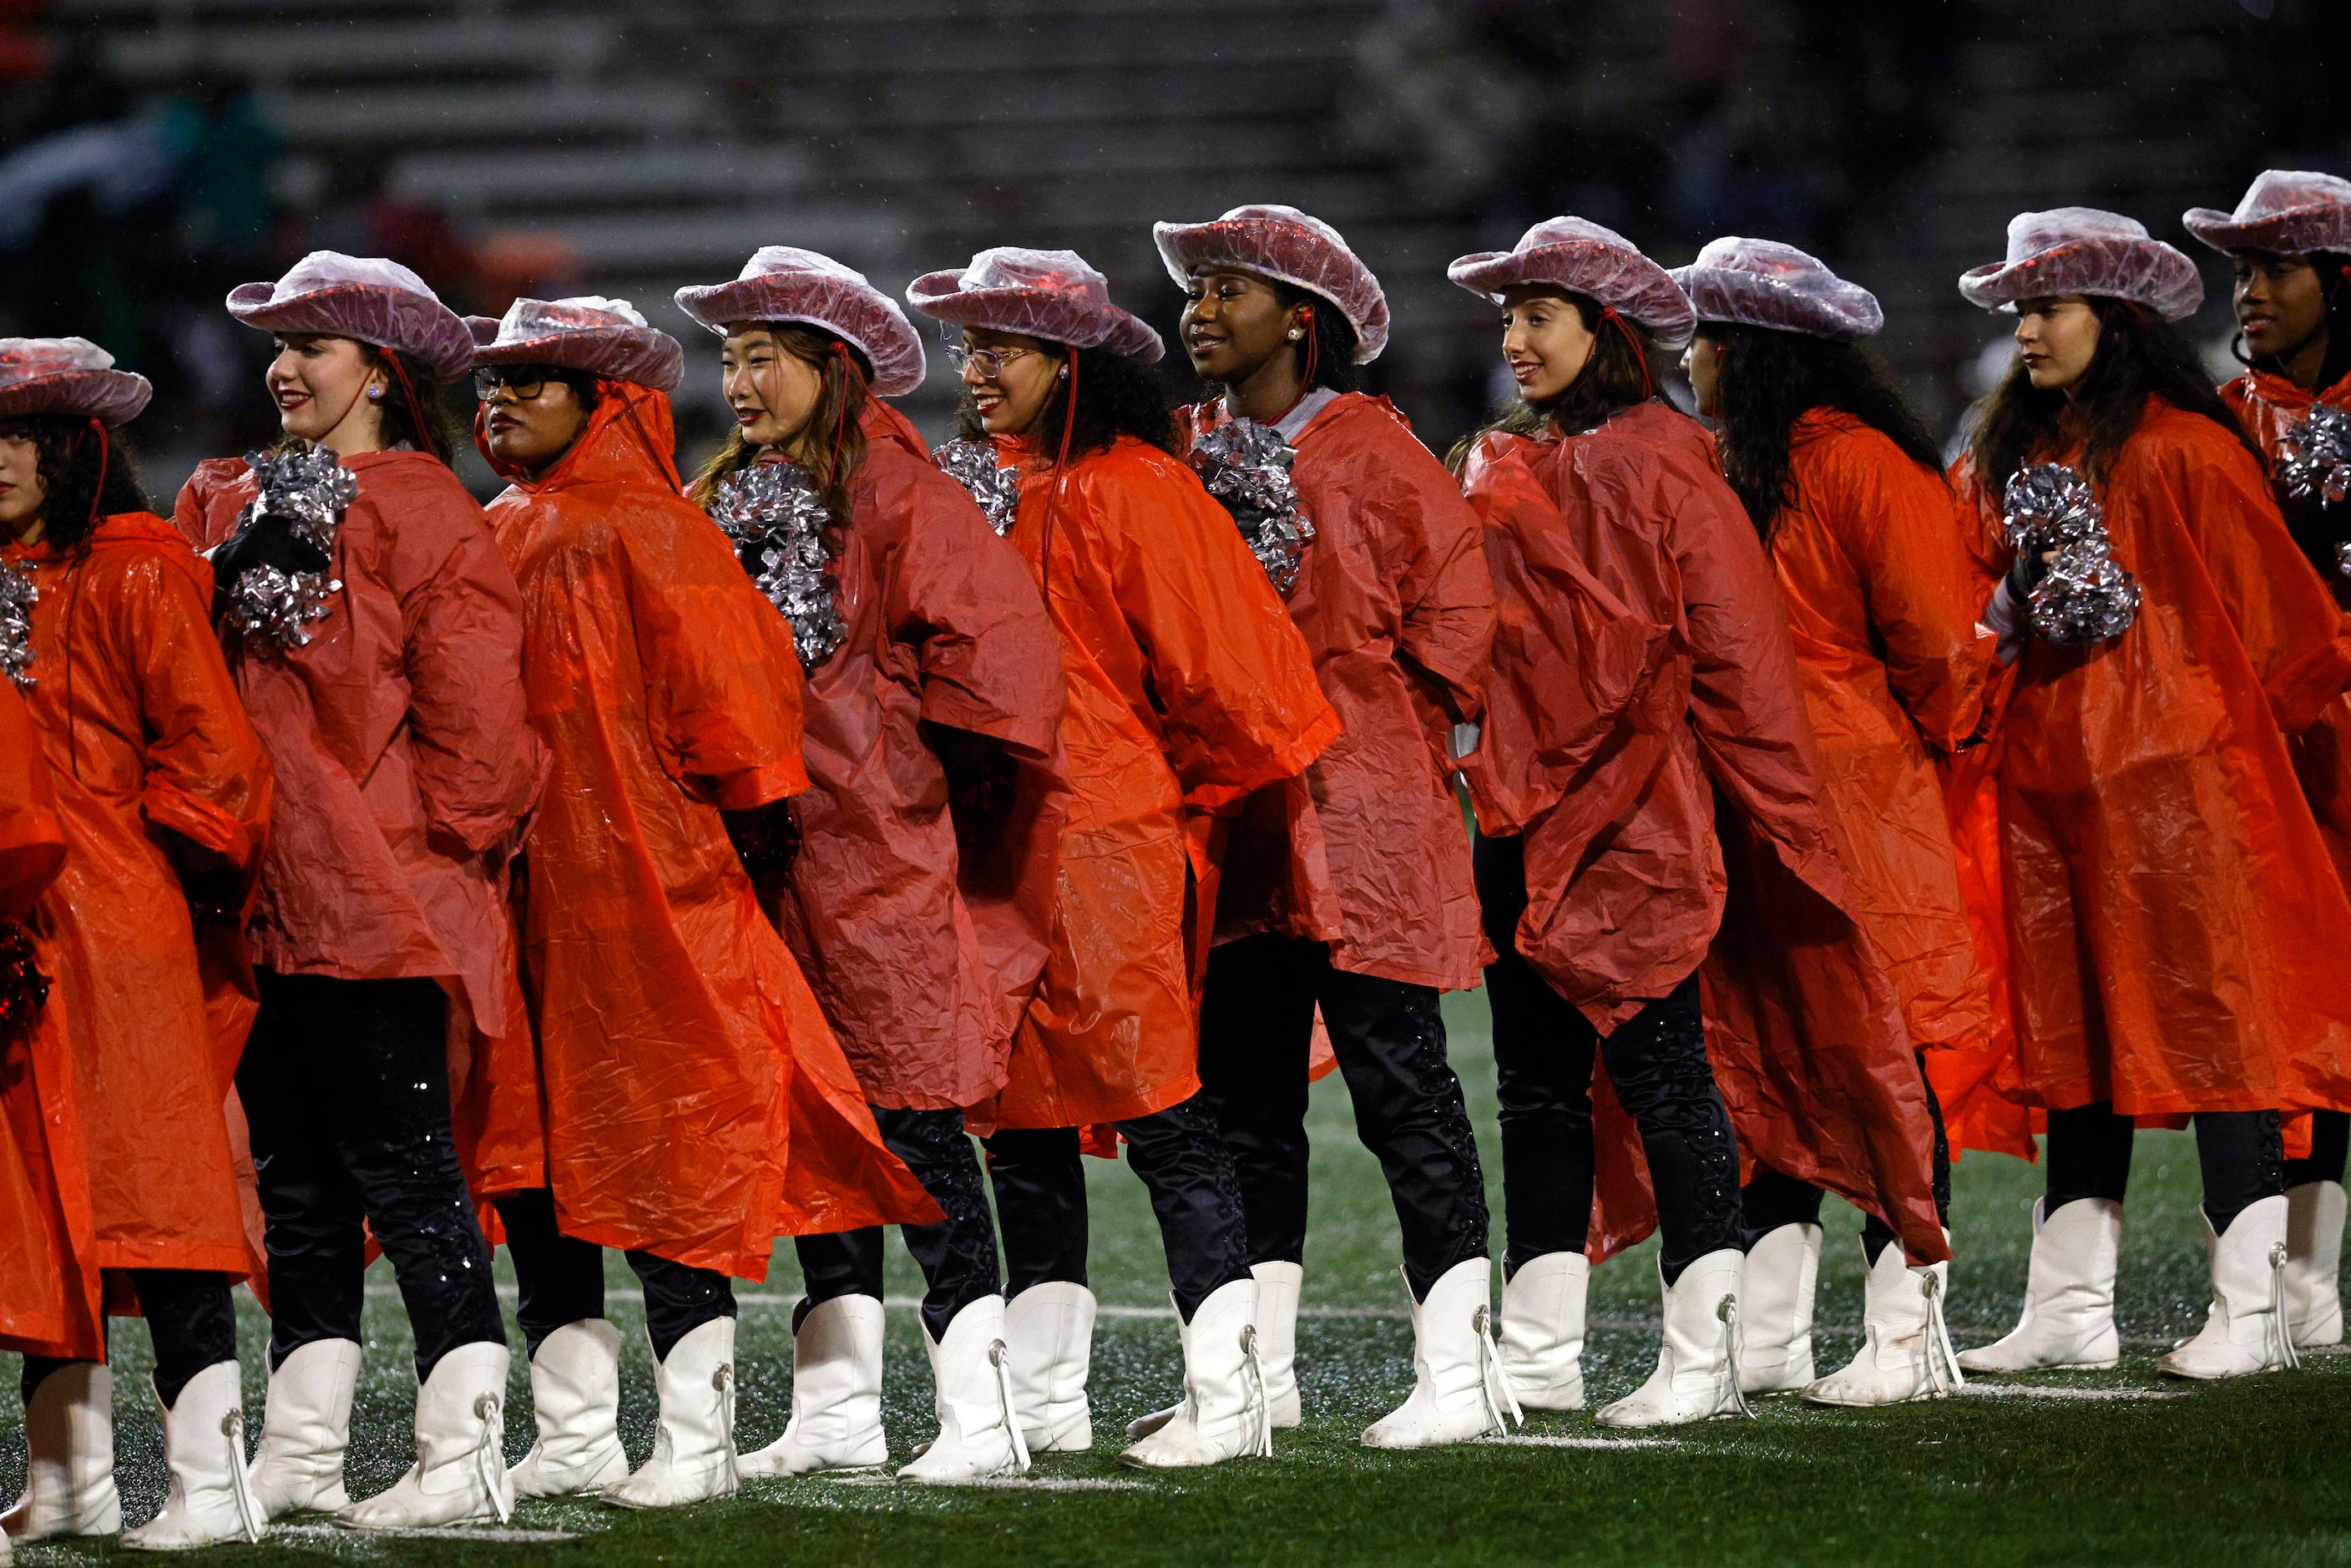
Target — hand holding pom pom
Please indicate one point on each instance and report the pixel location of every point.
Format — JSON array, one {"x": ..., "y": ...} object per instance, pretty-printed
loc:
[
  {"x": 1246, "y": 465},
  {"x": 2084, "y": 595},
  {"x": 972, "y": 465}
]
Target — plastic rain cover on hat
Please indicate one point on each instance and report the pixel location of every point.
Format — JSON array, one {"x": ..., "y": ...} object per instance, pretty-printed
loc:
[
  {"x": 785, "y": 283},
  {"x": 69, "y": 376},
  {"x": 2288, "y": 212},
  {"x": 1762, "y": 283},
  {"x": 604, "y": 337},
  {"x": 366, "y": 298},
  {"x": 1577, "y": 257},
  {"x": 1289, "y": 247},
  {"x": 1051, "y": 294},
  {"x": 2086, "y": 250}
]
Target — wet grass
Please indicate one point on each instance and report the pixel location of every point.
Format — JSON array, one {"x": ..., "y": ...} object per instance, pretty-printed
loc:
[{"x": 2248, "y": 1473}]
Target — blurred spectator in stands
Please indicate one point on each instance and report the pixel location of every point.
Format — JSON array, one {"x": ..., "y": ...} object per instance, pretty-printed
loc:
[{"x": 361, "y": 215}]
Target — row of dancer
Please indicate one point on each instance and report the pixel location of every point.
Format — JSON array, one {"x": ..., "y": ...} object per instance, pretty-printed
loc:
[{"x": 582, "y": 875}]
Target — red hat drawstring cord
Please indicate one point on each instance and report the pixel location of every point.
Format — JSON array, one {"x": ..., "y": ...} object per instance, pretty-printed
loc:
[
  {"x": 1609, "y": 312},
  {"x": 1313, "y": 361},
  {"x": 415, "y": 410},
  {"x": 1060, "y": 463}
]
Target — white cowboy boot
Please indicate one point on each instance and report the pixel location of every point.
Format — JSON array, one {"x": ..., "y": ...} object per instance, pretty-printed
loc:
[
  {"x": 1775, "y": 1310},
  {"x": 1277, "y": 1286},
  {"x": 1224, "y": 1412},
  {"x": 1457, "y": 1389},
  {"x": 68, "y": 1458},
  {"x": 2245, "y": 1330},
  {"x": 694, "y": 1445},
  {"x": 575, "y": 1395},
  {"x": 210, "y": 1500},
  {"x": 2314, "y": 1257},
  {"x": 1048, "y": 1337},
  {"x": 979, "y": 1418},
  {"x": 836, "y": 1419},
  {"x": 1905, "y": 1351},
  {"x": 2069, "y": 1294},
  {"x": 1543, "y": 1330},
  {"x": 306, "y": 1425},
  {"x": 460, "y": 1474},
  {"x": 1697, "y": 1373}
]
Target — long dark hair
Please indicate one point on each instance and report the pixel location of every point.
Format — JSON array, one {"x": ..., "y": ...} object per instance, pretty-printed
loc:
[
  {"x": 835, "y": 446},
  {"x": 1767, "y": 379},
  {"x": 1116, "y": 396},
  {"x": 1622, "y": 373},
  {"x": 2139, "y": 353},
  {"x": 2334, "y": 270},
  {"x": 66, "y": 457}
]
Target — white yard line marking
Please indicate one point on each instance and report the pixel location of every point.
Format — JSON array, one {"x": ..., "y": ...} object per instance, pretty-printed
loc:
[
  {"x": 1001, "y": 1483},
  {"x": 490, "y": 1534},
  {"x": 2029, "y": 1391},
  {"x": 1536, "y": 1440}
]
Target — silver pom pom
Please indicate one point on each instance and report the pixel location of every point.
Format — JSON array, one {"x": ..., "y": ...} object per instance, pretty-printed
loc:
[
  {"x": 777, "y": 521},
  {"x": 309, "y": 489},
  {"x": 2087, "y": 597},
  {"x": 1246, "y": 465},
  {"x": 2342, "y": 557},
  {"x": 17, "y": 597},
  {"x": 972, "y": 465},
  {"x": 2315, "y": 457}
]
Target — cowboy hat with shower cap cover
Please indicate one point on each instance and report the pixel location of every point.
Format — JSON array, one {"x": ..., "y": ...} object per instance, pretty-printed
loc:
[
  {"x": 785, "y": 283},
  {"x": 1762, "y": 283},
  {"x": 1048, "y": 293},
  {"x": 604, "y": 338},
  {"x": 1289, "y": 247},
  {"x": 70, "y": 376},
  {"x": 2288, "y": 212},
  {"x": 2085, "y": 250},
  {"x": 1576, "y": 256},
  {"x": 366, "y": 298}
]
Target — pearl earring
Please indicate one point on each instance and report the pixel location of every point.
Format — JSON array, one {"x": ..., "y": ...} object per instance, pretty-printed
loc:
[
  {"x": 1295, "y": 334},
  {"x": 375, "y": 394}
]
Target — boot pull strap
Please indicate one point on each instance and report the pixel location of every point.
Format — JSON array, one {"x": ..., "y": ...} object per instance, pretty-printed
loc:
[
  {"x": 2280, "y": 1324},
  {"x": 249, "y": 1523},
  {"x": 489, "y": 1462},
  {"x": 1261, "y": 1408},
  {"x": 1490, "y": 1377},
  {"x": 1942, "y": 1360},
  {"x": 1734, "y": 1339},
  {"x": 1000, "y": 1356},
  {"x": 722, "y": 1382}
]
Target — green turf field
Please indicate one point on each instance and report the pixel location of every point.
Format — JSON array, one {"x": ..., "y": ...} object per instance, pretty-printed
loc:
[{"x": 2250, "y": 1473}]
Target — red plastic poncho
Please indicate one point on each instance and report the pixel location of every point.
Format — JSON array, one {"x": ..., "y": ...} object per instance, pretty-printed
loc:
[
  {"x": 1644, "y": 698},
  {"x": 925, "y": 957},
  {"x": 1188, "y": 688},
  {"x": 1364, "y": 850},
  {"x": 143, "y": 731},
  {"x": 698, "y": 1106},
  {"x": 2172, "y": 917},
  {"x": 34, "y": 1245}
]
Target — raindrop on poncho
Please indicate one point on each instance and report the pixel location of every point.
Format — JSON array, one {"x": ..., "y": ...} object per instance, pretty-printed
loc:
[
  {"x": 308, "y": 488},
  {"x": 1246, "y": 465},
  {"x": 777, "y": 521},
  {"x": 2087, "y": 597},
  {"x": 17, "y": 596},
  {"x": 972, "y": 465}
]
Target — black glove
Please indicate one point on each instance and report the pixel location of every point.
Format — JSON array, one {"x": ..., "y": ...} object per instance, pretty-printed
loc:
[
  {"x": 2321, "y": 529},
  {"x": 767, "y": 840},
  {"x": 982, "y": 784},
  {"x": 2025, "y": 575},
  {"x": 23, "y": 987},
  {"x": 268, "y": 542}
]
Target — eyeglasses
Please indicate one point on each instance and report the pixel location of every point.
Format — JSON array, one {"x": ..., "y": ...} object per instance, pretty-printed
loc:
[
  {"x": 989, "y": 362},
  {"x": 525, "y": 381}
]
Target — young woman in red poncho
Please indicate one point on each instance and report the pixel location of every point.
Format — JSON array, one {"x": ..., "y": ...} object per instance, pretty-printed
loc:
[
  {"x": 1844, "y": 486},
  {"x": 163, "y": 795},
  {"x": 376, "y": 638},
  {"x": 2171, "y": 912},
  {"x": 934, "y": 681},
  {"x": 1643, "y": 671},
  {"x": 1347, "y": 888},
  {"x": 696, "y": 1105},
  {"x": 2290, "y": 242},
  {"x": 1188, "y": 689}
]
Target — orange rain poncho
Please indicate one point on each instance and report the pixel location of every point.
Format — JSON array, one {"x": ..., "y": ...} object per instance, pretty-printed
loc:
[
  {"x": 1188, "y": 688},
  {"x": 1364, "y": 850},
  {"x": 405, "y": 771},
  {"x": 924, "y": 955},
  {"x": 698, "y": 1106},
  {"x": 143, "y": 731},
  {"x": 1644, "y": 698},
  {"x": 2173, "y": 921},
  {"x": 34, "y": 1246}
]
